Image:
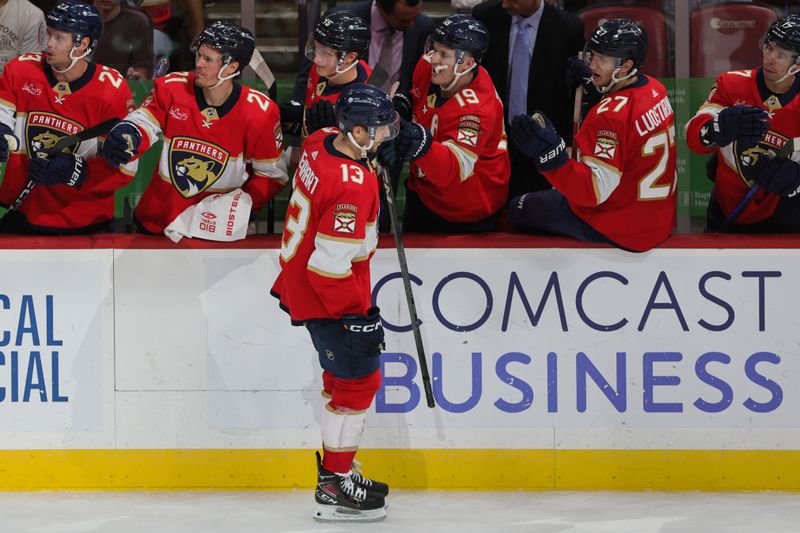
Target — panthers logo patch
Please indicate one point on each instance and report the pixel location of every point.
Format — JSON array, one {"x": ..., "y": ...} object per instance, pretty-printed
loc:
[
  {"x": 195, "y": 165},
  {"x": 44, "y": 130}
]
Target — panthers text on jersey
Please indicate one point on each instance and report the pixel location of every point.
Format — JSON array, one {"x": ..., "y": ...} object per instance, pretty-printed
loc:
[
  {"x": 625, "y": 180},
  {"x": 745, "y": 87},
  {"x": 330, "y": 234},
  {"x": 464, "y": 176},
  {"x": 206, "y": 149},
  {"x": 42, "y": 110}
]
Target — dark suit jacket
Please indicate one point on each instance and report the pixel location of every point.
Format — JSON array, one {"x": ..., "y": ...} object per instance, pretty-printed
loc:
[
  {"x": 413, "y": 47},
  {"x": 560, "y": 36}
]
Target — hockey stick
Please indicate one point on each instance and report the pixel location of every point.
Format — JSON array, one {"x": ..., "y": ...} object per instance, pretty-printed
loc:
[
  {"x": 412, "y": 308},
  {"x": 791, "y": 146},
  {"x": 89, "y": 133},
  {"x": 261, "y": 69},
  {"x": 376, "y": 79},
  {"x": 576, "y": 115}
]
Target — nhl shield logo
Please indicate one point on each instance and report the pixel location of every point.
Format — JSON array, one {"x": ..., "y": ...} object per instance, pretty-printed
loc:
[
  {"x": 195, "y": 165},
  {"x": 44, "y": 130}
]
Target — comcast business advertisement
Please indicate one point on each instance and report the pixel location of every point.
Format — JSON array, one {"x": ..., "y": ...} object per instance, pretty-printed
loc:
[
  {"x": 540, "y": 338},
  {"x": 55, "y": 314}
]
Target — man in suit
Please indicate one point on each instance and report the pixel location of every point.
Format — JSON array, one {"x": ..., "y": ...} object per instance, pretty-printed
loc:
[
  {"x": 555, "y": 36},
  {"x": 399, "y": 24}
]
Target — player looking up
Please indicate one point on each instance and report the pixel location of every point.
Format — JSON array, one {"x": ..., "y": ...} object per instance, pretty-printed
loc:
[
  {"x": 324, "y": 284},
  {"x": 621, "y": 189},
  {"x": 50, "y": 95},
  {"x": 213, "y": 129}
]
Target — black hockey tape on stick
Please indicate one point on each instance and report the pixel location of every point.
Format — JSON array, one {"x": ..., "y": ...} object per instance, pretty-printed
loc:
[
  {"x": 89, "y": 133},
  {"x": 378, "y": 76},
  {"x": 412, "y": 308}
]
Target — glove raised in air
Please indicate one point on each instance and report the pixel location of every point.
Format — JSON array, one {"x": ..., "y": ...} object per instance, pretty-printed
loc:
[
  {"x": 320, "y": 114},
  {"x": 412, "y": 142}
]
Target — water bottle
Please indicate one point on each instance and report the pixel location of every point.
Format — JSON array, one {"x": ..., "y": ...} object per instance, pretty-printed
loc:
[{"x": 161, "y": 66}]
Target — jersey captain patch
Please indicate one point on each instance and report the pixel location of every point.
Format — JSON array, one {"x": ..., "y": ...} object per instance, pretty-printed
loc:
[
  {"x": 43, "y": 130},
  {"x": 195, "y": 165}
]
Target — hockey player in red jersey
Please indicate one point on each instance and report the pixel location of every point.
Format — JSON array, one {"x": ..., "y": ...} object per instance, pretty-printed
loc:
[
  {"x": 456, "y": 145},
  {"x": 324, "y": 284},
  {"x": 334, "y": 48},
  {"x": 747, "y": 119},
  {"x": 44, "y": 97},
  {"x": 214, "y": 131},
  {"x": 621, "y": 189}
]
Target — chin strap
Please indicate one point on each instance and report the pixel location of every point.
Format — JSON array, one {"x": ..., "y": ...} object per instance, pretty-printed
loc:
[
  {"x": 73, "y": 60},
  {"x": 615, "y": 80},
  {"x": 339, "y": 64},
  {"x": 457, "y": 75},
  {"x": 794, "y": 69},
  {"x": 363, "y": 149},
  {"x": 223, "y": 79}
]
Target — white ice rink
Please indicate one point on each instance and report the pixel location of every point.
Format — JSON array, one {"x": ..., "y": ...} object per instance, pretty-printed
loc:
[{"x": 410, "y": 512}]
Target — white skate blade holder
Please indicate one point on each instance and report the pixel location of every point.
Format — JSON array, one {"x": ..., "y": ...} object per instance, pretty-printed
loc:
[{"x": 337, "y": 513}]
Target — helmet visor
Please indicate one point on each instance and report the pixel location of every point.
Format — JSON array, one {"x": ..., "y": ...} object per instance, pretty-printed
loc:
[{"x": 386, "y": 132}]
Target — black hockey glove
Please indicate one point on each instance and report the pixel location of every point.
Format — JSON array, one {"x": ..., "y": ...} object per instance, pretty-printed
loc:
[
  {"x": 57, "y": 169},
  {"x": 364, "y": 333},
  {"x": 402, "y": 104},
  {"x": 579, "y": 76},
  {"x": 387, "y": 157},
  {"x": 121, "y": 144},
  {"x": 8, "y": 141},
  {"x": 743, "y": 123},
  {"x": 412, "y": 142},
  {"x": 320, "y": 115},
  {"x": 537, "y": 138},
  {"x": 291, "y": 117},
  {"x": 780, "y": 176}
]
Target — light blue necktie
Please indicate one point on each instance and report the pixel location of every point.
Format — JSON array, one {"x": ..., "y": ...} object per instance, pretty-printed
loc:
[{"x": 520, "y": 67}]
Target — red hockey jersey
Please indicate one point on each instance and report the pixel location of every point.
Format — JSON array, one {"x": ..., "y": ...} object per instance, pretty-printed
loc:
[
  {"x": 207, "y": 149},
  {"x": 42, "y": 110},
  {"x": 625, "y": 181},
  {"x": 330, "y": 234},
  {"x": 319, "y": 88},
  {"x": 464, "y": 176},
  {"x": 741, "y": 87}
]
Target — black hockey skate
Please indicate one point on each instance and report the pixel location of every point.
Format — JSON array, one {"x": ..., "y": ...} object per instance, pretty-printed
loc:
[
  {"x": 340, "y": 499},
  {"x": 369, "y": 484}
]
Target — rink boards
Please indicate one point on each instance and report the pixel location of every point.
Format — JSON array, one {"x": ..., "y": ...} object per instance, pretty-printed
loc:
[{"x": 131, "y": 362}]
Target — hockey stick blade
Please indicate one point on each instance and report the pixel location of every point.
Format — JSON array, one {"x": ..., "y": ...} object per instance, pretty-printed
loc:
[
  {"x": 261, "y": 68},
  {"x": 378, "y": 76},
  {"x": 89, "y": 133},
  {"x": 412, "y": 308}
]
